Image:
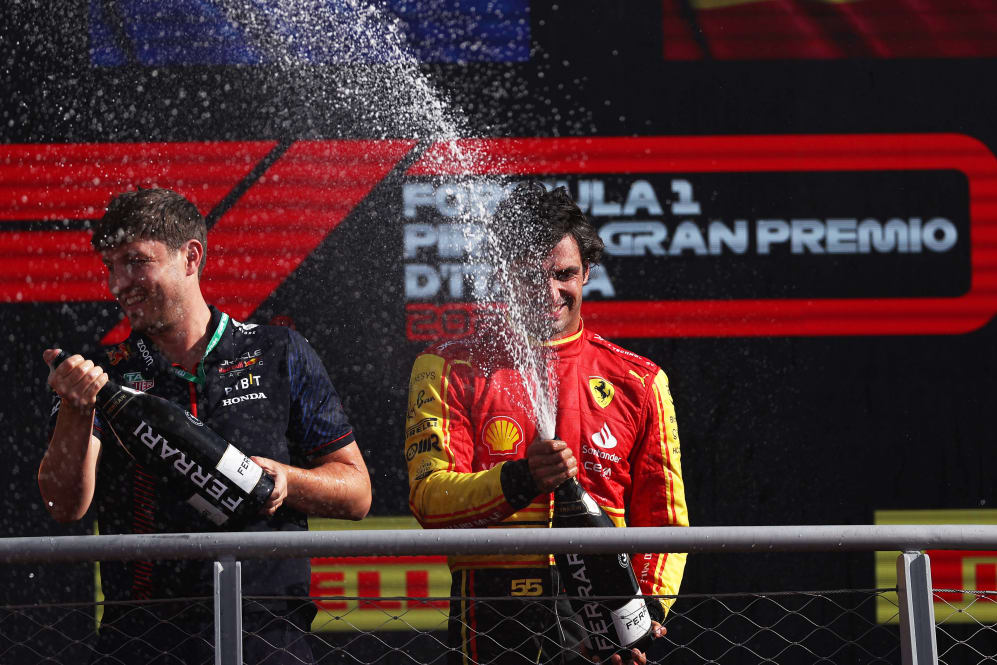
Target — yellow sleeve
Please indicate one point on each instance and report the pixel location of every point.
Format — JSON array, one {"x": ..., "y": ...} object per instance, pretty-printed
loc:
[
  {"x": 443, "y": 492},
  {"x": 658, "y": 492}
]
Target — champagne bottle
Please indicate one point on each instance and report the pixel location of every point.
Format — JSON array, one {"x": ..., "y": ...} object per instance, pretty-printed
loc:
[
  {"x": 224, "y": 485},
  {"x": 612, "y": 625}
]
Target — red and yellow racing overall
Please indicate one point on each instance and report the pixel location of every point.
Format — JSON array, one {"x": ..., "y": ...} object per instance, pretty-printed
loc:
[{"x": 469, "y": 421}]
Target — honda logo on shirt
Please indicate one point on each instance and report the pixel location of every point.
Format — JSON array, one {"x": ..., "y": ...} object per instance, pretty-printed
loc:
[{"x": 604, "y": 438}]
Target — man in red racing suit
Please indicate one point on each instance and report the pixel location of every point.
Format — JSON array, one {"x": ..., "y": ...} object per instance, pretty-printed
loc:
[{"x": 471, "y": 462}]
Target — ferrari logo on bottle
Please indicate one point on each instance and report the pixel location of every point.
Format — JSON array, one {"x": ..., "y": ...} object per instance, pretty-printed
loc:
[
  {"x": 602, "y": 390},
  {"x": 502, "y": 435}
]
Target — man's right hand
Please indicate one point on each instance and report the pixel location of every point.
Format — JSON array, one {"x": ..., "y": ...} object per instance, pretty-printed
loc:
[
  {"x": 76, "y": 380},
  {"x": 551, "y": 462},
  {"x": 67, "y": 474}
]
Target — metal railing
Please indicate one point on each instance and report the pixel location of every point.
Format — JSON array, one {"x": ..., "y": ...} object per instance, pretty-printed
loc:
[{"x": 917, "y": 634}]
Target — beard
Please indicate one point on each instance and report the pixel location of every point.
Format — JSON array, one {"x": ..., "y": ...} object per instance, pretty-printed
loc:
[{"x": 156, "y": 313}]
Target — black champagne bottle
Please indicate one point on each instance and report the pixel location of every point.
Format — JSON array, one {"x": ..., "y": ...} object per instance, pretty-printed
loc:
[
  {"x": 226, "y": 487},
  {"x": 614, "y": 625}
]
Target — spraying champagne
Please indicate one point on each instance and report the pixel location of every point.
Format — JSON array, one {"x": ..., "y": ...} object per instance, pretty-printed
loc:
[{"x": 224, "y": 485}]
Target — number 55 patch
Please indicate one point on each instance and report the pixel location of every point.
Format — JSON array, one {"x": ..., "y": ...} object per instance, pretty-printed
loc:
[{"x": 527, "y": 587}]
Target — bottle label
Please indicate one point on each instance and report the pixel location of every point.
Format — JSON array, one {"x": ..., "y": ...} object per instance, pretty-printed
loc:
[
  {"x": 632, "y": 621},
  {"x": 591, "y": 507},
  {"x": 238, "y": 468},
  {"x": 120, "y": 398},
  {"x": 207, "y": 509},
  {"x": 161, "y": 452}
]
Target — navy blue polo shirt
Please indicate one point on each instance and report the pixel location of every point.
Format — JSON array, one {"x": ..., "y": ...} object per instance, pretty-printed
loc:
[{"x": 263, "y": 389}]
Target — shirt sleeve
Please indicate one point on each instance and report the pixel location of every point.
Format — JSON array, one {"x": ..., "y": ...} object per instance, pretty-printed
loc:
[
  {"x": 443, "y": 491},
  {"x": 318, "y": 425},
  {"x": 54, "y": 412},
  {"x": 98, "y": 427},
  {"x": 658, "y": 493}
]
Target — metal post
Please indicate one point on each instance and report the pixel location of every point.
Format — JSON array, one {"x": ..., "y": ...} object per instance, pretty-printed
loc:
[
  {"x": 228, "y": 612},
  {"x": 917, "y": 610}
]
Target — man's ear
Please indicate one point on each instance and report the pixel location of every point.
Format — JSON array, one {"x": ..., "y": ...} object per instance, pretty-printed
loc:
[
  {"x": 193, "y": 253},
  {"x": 585, "y": 275}
]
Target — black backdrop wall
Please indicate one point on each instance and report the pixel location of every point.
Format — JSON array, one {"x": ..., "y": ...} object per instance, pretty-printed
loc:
[{"x": 794, "y": 425}]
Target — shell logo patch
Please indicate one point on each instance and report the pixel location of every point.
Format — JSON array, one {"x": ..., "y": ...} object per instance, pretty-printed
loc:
[
  {"x": 602, "y": 390},
  {"x": 502, "y": 435}
]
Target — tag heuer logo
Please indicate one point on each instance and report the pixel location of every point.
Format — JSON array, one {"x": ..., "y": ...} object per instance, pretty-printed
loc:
[
  {"x": 602, "y": 390},
  {"x": 138, "y": 382}
]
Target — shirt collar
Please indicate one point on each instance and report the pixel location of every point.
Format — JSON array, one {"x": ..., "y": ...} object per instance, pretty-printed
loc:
[
  {"x": 568, "y": 345},
  {"x": 217, "y": 325}
]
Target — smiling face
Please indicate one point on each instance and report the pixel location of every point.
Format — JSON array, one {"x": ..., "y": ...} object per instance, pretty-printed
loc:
[
  {"x": 149, "y": 282},
  {"x": 562, "y": 276}
]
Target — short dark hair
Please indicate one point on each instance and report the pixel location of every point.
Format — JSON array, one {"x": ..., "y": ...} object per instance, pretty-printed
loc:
[
  {"x": 531, "y": 220},
  {"x": 150, "y": 214}
]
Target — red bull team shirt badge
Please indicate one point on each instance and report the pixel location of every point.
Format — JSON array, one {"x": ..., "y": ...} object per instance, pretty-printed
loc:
[
  {"x": 502, "y": 435},
  {"x": 118, "y": 353}
]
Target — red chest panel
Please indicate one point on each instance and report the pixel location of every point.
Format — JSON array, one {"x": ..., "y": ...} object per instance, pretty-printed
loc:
[{"x": 598, "y": 414}]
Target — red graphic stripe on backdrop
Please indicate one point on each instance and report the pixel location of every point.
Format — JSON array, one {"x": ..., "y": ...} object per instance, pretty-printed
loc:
[
  {"x": 705, "y": 154},
  {"x": 75, "y": 182},
  {"x": 751, "y": 154},
  {"x": 266, "y": 235},
  {"x": 49, "y": 266},
  {"x": 251, "y": 249},
  {"x": 828, "y": 29}
]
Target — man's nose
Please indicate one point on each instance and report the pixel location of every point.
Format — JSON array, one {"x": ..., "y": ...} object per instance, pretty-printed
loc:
[
  {"x": 553, "y": 289},
  {"x": 117, "y": 281}
]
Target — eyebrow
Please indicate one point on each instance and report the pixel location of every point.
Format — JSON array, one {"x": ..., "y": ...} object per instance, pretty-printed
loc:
[{"x": 128, "y": 255}]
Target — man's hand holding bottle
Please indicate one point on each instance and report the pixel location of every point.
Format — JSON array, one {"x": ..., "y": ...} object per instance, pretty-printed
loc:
[
  {"x": 76, "y": 380},
  {"x": 551, "y": 462}
]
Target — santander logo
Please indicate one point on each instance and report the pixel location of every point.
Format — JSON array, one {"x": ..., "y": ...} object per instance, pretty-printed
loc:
[{"x": 604, "y": 438}]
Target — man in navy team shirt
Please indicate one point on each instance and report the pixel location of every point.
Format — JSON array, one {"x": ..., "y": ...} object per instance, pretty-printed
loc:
[{"x": 262, "y": 388}]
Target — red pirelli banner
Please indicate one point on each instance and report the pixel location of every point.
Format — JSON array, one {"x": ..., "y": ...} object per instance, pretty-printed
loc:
[{"x": 964, "y": 581}]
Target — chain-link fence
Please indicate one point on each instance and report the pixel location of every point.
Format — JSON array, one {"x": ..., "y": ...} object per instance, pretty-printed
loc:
[
  {"x": 966, "y": 626},
  {"x": 780, "y": 627},
  {"x": 830, "y": 626}
]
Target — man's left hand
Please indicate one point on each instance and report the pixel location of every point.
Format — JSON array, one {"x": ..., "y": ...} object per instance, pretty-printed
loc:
[{"x": 279, "y": 473}]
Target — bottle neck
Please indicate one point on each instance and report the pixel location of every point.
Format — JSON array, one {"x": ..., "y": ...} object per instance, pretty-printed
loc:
[
  {"x": 107, "y": 392},
  {"x": 569, "y": 490}
]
